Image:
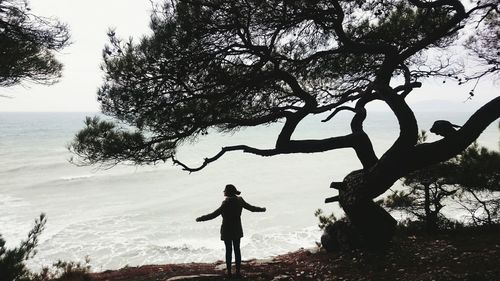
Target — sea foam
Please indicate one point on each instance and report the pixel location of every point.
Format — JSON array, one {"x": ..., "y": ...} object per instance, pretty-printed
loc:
[{"x": 146, "y": 215}]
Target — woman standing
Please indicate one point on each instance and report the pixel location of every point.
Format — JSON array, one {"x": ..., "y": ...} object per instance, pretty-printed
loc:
[{"x": 231, "y": 230}]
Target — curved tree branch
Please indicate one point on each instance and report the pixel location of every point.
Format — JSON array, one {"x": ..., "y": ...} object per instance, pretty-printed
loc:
[
  {"x": 408, "y": 86},
  {"x": 408, "y": 128},
  {"x": 309, "y": 100},
  {"x": 346, "y": 97},
  {"x": 337, "y": 110},
  {"x": 363, "y": 147},
  {"x": 244, "y": 148},
  {"x": 448, "y": 28},
  {"x": 292, "y": 120},
  {"x": 355, "y": 141},
  {"x": 430, "y": 153}
]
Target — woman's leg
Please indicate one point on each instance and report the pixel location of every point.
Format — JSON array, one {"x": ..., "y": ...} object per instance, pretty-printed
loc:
[
  {"x": 229, "y": 253},
  {"x": 237, "y": 254}
]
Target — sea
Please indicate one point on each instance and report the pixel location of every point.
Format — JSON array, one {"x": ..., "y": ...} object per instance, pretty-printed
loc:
[{"x": 135, "y": 215}]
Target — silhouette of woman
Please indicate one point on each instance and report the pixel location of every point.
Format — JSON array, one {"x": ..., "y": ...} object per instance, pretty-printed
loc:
[{"x": 231, "y": 230}]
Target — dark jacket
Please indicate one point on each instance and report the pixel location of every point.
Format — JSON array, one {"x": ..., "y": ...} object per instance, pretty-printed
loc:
[{"x": 231, "y": 216}]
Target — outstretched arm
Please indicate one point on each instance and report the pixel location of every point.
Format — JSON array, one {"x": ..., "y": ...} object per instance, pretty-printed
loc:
[
  {"x": 210, "y": 216},
  {"x": 252, "y": 208}
]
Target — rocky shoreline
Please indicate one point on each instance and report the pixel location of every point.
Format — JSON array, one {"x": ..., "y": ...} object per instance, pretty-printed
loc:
[{"x": 451, "y": 256}]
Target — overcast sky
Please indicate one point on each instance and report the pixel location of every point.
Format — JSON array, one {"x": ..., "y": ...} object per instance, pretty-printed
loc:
[{"x": 89, "y": 21}]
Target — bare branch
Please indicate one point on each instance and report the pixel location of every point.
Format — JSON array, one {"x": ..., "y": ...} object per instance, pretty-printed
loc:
[
  {"x": 346, "y": 97},
  {"x": 408, "y": 85},
  {"x": 355, "y": 141},
  {"x": 408, "y": 128},
  {"x": 244, "y": 148},
  {"x": 332, "y": 199},
  {"x": 338, "y": 185},
  {"x": 363, "y": 147},
  {"x": 337, "y": 110},
  {"x": 407, "y": 88}
]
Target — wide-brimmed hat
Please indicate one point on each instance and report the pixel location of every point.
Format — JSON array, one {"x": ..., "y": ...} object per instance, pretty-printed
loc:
[{"x": 231, "y": 190}]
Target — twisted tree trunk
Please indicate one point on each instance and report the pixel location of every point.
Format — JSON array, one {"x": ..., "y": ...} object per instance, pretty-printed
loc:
[{"x": 367, "y": 224}]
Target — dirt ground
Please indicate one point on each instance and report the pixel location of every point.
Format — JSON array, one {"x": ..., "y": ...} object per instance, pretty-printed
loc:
[{"x": 452, "y": 256}]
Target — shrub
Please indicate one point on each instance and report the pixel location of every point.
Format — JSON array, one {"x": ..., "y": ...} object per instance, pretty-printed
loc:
[
  {"x": 13, "y": 267},
  {"x": 324, "y": 220}
]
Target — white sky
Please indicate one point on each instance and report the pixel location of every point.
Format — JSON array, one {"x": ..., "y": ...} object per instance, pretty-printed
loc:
[{"x": 89, "y": 21}]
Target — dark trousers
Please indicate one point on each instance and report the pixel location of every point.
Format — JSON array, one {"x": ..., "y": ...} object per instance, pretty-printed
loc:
[{"x": 237, "y": 254}]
